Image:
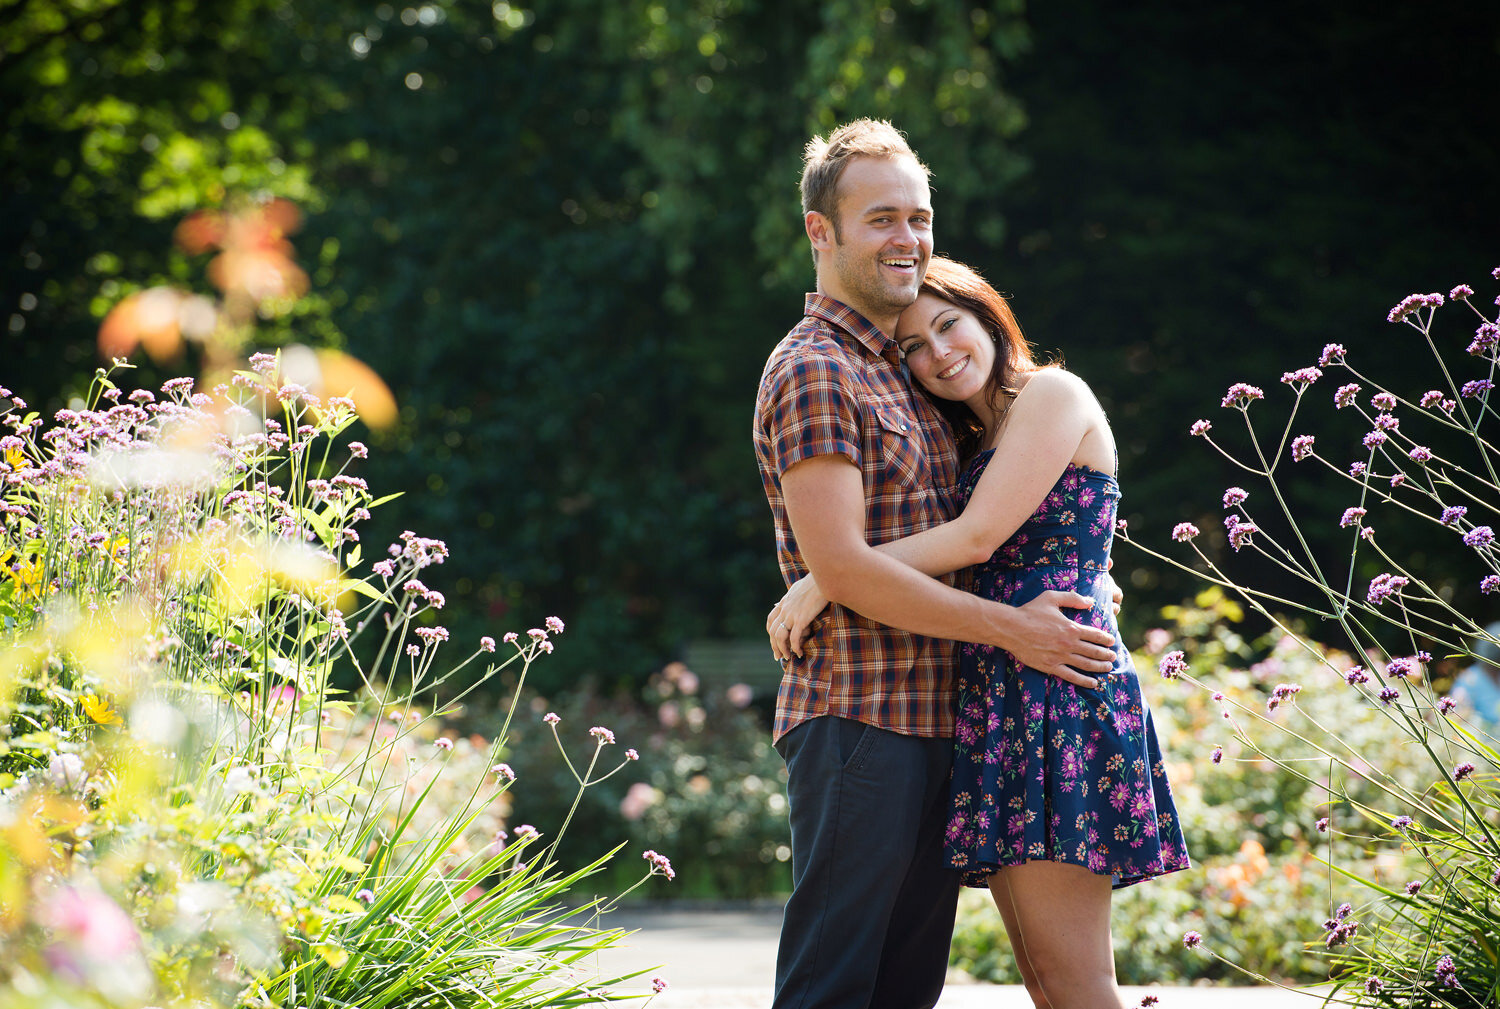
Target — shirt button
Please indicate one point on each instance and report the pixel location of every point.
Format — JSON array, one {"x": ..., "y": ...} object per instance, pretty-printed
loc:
[{"x": 903, "y": 428}]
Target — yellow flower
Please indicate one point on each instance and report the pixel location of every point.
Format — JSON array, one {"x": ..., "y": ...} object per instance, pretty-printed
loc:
[
  {"x": 100, "y": 711},
  {"x": 117, "y": 549},
  {"x": 15, "y": 458},
  {"x": 26, "y": 573}
]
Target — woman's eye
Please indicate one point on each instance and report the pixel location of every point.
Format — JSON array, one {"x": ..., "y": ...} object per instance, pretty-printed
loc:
[
  {"x": 946, "y": 323},
  {"x": 913, "y": 347}
]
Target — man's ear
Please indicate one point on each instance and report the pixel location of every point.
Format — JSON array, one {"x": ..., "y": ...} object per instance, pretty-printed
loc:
[{"x": 819, "y": 230}]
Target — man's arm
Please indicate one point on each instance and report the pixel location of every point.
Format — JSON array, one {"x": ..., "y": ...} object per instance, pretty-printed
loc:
[{"x": 825, "y": 503}]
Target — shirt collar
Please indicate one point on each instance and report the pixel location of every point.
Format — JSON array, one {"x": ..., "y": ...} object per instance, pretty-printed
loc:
[{"x": 841, "y": 316}]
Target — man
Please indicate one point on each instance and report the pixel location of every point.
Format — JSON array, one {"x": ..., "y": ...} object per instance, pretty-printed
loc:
[{"x": 851, "y": 456}]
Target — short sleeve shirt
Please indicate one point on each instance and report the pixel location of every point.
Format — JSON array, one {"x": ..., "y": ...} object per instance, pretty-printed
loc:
[{"x": 835, "y": 386}]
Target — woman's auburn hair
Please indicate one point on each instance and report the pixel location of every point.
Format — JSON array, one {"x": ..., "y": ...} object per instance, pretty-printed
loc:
[{"x": 965, "y": 288}]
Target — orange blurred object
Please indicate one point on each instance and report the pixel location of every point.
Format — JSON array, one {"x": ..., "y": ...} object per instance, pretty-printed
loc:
[
  {"x": 258, "y": 273},
  {"x": 199, "y": 231},
  {"x": 147, "y": 319},
  {"x": 343, "y": 375}
]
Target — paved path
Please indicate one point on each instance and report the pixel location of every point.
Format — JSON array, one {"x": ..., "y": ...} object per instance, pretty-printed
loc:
[{"x": 726, "y": 959}]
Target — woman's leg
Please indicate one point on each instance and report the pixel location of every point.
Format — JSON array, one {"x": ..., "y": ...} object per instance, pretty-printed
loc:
[
  {"x": 1058, "y": 919},
  {"x": 1017, "y": 943}
]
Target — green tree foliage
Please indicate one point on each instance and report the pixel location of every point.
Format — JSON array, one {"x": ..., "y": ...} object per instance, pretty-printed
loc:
[
  {"x": 1216, "y": 192},
  {"x": 566, "y": 231},
  {"x": 567, "y": 234}
]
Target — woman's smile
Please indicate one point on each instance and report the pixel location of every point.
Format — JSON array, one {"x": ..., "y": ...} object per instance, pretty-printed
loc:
[{"x": 953, "y": 370}]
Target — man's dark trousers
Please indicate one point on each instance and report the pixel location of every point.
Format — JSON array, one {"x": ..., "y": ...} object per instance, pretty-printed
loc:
[{"x": 871, "y": 912}]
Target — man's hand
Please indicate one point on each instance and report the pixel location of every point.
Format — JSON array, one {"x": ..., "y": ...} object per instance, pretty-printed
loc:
[
  {"x": 1049, "y": 641},
  {"x": 1116, "y": 595}
]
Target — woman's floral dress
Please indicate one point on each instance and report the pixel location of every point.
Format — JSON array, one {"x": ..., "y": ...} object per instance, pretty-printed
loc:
[{"x": 1042, "y": 769}]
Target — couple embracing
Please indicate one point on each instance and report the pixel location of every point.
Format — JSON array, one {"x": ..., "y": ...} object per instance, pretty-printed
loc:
[{"x": 994, "y": 737}]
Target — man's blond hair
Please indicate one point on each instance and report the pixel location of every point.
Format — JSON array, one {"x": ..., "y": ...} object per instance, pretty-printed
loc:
[{"x": 824, "y": 161}]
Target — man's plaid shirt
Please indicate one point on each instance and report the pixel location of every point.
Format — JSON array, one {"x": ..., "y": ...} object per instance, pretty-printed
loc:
[{"x": 835, "y": 386}]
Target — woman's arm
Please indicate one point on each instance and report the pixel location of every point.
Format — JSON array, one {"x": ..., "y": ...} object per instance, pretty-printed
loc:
[{"x": 1047, "y": 425}]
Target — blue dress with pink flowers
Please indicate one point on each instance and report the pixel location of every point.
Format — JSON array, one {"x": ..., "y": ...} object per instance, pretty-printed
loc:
[{"x": 1044, "y": 770}]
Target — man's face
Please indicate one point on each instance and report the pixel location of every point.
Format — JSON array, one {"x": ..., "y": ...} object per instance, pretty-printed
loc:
[{"x": 884, "y": 240}]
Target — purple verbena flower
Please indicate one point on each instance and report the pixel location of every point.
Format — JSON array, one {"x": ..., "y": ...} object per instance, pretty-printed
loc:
[
  {"x": 1412, "y": 887},
  {"x": 1431, "y": 398},
  {"x": 1375, "y": 439},
  {"x": 660, "y": 864},
  {"x": 1445, "y": 972},
  {"x": 1192, "y": 940},
  {"x": 554, "y": 624},
  {"x": 1489, "y": 584},
  {"x": 1172, "y": 665},
  {"x": 1388, "y": 694},
  {"x": 1351, "y": 517},
  {"x": 487, "y": 643},
  {"x": 504, "y": 771},
  {"x": 1332, "y": 354},
  {"x": 1357, "y": 469},
  {"x": 1242, "y": 395},
  {"x": 551, "y": 718},
  {"x": 443, "y": 743},
  {"x": 1200, "y": 427},
  {"x": 1374, "y": 986},
  {"x": 1302, "y": 447},
  {"x": 1345, "y": 394},
  {"x": 1302, "y": 376},
  {"x": 631, "y": 754},
  {"x": 1383, "y": 586},
  {"x": 602, "y": 735},
  {"x": 1476, "y": 387},
  {"x": 658, "y": 985},
  {"x": 1240, "y": 533},
  {"x": 1412, "y": 303},
  {"x": 511, "y": 637},
  {"x": 1398, "y": 479},
  {"x": 1402, "y": 822},
  {"x": 1383, "y": 401},
  {"x": 1235, "y": 496},
  {"x": 1460, "y": 292},
  {"x": 1217, "y": 755},
  {"x": 1184, "y": 531},
  {"x": 433, "y": 635},
  {"x": 1322, "y": 825},
  {"x": 1446, "y": 704},
  {"x": 1453, "y": 513},
  {"x": 1400, "y": 668},
  {"x": 1463, "y": 771},
  {"x": 1479, "y": 536},
  {"x": 1485, "y": 338}
]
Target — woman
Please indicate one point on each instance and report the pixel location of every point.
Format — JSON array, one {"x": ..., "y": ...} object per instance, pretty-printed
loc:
[{"x": 1058, "y": 793}]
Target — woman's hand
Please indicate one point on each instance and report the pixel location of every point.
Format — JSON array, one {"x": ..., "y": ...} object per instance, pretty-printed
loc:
[{"x": 790, "y": 620}]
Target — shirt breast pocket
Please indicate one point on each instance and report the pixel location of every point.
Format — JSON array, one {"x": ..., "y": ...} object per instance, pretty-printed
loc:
[{"x": 901, "y": 447}]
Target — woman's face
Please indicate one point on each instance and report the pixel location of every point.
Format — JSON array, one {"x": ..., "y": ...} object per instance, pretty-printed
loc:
[{"x": 947, "y": 349}]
